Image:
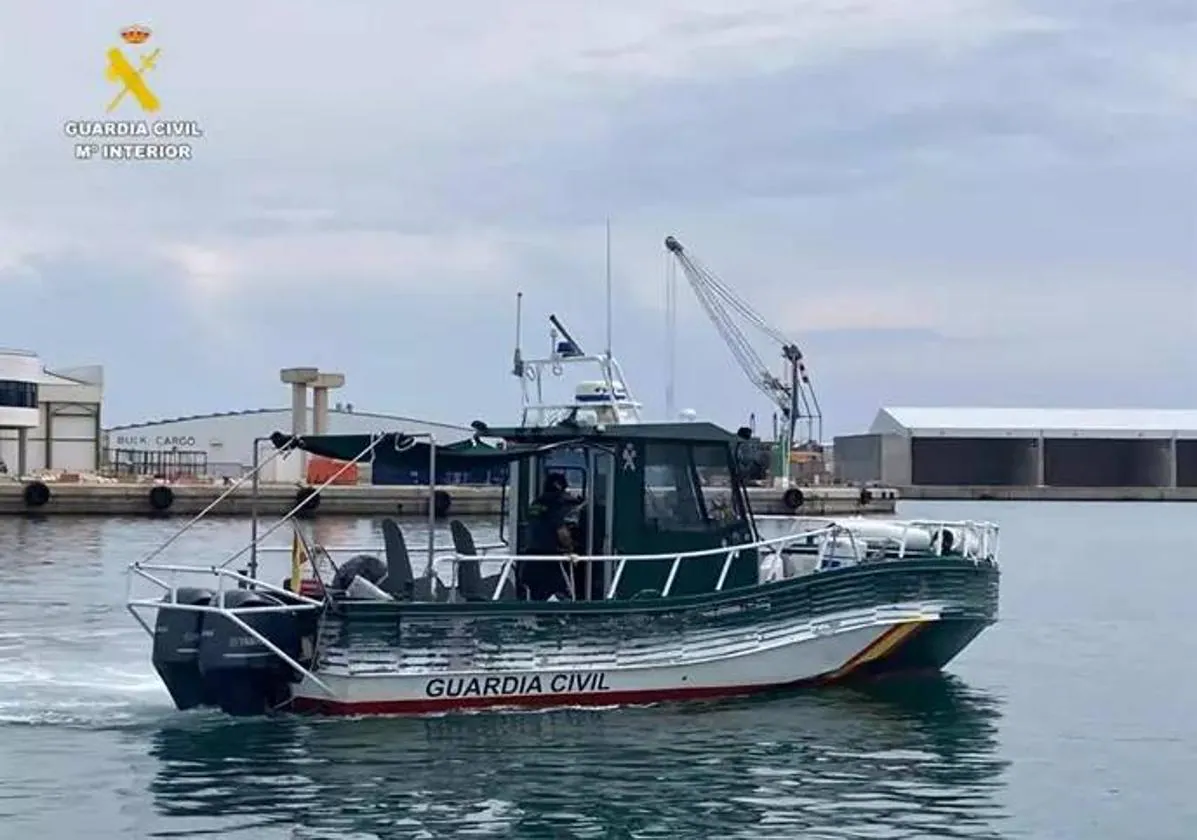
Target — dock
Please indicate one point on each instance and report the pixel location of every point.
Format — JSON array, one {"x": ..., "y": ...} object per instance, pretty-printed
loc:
[
  {"x": 1049, "y": 494},
  {"x": 84, "y": 499}
]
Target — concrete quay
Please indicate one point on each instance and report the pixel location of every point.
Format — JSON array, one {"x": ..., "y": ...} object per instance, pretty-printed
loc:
[
  {"x": 82, "y": 499},
  {"x": 1051, "y": 494}
]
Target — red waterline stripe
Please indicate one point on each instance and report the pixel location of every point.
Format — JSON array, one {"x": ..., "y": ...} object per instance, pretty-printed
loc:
[
  {"x": 317, "y": 705},
  {"x": 526, "y": 701}
]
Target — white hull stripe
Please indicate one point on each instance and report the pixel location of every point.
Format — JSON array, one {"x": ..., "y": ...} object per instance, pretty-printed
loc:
[{"x": 828, "y": 657}]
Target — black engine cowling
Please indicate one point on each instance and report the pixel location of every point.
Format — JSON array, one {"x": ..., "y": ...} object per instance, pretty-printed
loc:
[
  {"x": 240, "y": 674},
  {"x": 367, "y": 566},
  {"x": 177, "y": 636}
]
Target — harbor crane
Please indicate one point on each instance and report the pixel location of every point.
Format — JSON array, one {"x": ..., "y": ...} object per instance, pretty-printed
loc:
[{"x": 792, "y": 392}]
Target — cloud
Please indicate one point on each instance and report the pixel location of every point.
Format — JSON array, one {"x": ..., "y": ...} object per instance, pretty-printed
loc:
[
  {"x": 302, "y": 260},
  {"x": 992, "y": 200}
]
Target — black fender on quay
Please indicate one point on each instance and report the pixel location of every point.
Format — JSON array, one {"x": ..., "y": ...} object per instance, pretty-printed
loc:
[
  {"x": 161, "y": 497},
  {"x": 36, "y": 494}
]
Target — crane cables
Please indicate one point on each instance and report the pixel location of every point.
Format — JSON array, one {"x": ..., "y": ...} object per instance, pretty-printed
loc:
[{"x": 716, "y": 298}]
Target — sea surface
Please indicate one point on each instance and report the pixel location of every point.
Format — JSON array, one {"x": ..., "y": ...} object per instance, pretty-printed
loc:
[{"x": 1074, "y": 717}]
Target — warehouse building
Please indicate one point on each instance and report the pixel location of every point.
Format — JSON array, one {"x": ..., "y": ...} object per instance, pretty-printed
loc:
[
  {"x": 225, "y": 444},
  {"x": 222, "y": 444},
  {"x": 49, "y": 419},
  {"x": 1023, "y": 447}
]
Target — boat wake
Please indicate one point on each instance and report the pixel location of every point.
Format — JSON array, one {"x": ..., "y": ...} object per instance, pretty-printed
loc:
[{"x": 74, "y": 694}]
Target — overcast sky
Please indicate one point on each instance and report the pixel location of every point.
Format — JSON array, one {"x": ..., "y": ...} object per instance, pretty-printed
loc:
[{"x": 970, "y": 202}]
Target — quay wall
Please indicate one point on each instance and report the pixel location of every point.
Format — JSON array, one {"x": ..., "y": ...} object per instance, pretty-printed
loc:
[
  {"x": 370, "y": 500},
  {"x": 1050, "y": 494}
]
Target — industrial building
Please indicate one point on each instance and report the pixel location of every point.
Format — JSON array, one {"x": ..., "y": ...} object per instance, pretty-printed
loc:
[
  {"x": 1023, "y": 447},
  {"x": 49, "y": 419},
  {"x": 222, "y": 444}
]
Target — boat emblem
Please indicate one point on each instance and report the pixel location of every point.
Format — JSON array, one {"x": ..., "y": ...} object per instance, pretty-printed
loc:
[{"x": 629, "y": 457}]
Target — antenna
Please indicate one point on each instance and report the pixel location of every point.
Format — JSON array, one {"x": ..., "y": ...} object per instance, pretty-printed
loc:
[
  {"x": 670, "y": 335},
  {"x": 608, "y": 290},
  {"x": 517, "y": 361}
]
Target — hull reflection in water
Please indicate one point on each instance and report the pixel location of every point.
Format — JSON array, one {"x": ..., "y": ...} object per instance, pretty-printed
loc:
[{"x": 900, "y": 757}]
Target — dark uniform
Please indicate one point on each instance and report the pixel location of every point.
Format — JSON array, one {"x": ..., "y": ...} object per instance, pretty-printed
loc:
[{"x": 548, "y": 533}]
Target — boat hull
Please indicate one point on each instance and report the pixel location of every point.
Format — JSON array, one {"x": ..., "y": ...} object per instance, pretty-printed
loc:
[
  {"x": 854, "y": 622},
  {"x": 924, "y": 643}
]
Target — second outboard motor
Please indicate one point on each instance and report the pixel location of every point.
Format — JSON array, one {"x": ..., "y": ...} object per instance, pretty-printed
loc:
[
  {"x": 242, "y": 675},
  {"x": 176, "y": 648}
]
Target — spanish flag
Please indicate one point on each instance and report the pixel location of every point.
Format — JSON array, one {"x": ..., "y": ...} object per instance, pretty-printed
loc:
[{"x": 298, "y": 557}]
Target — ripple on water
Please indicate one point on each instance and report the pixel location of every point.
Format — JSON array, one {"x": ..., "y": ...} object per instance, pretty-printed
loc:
[
  {"x": 83, "y": 710},
  {"x": 648, "y": 773}
]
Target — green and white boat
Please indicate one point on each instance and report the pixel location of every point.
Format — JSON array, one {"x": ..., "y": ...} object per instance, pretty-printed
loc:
[
  {"x": 666, "y": 598},
  {"x": 669, "y": 590}
]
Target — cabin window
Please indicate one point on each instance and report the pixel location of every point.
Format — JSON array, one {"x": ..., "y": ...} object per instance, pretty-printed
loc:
[
  {"x": 571, "y": 463},
  {"x": 672, "y": 497},
  {"x": 723, "y": 504}
]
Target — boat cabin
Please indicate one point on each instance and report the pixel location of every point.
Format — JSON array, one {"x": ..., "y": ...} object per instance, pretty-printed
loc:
[
  {"x": 642, "y": 490},
  {"x": 624, "y": 491}
]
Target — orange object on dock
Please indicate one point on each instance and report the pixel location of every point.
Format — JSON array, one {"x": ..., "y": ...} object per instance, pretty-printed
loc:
[{"x": 321, "y": 470}]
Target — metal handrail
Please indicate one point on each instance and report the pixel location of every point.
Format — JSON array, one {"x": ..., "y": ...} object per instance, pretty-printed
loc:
[
  {"x": 232, "y": 488},
  {"x": 253, "y": 545},
  {"x": 233, "y": 614},
  {"x": 686, "y": 555},
  {"x": 342, "y": 549},
  {"x": 621, "y": 560},
  {"x": 831, "y": 528},
  {"x": 986, "y": 533},
  {"x": 773, "y": 545}
]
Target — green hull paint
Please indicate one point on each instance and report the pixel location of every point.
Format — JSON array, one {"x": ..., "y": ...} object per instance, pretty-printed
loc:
[
  {"x": 472, "y": 634},
  {"x": 929, "y": 648}
]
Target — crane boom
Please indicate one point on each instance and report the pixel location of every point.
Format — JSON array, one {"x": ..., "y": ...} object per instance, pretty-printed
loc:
[{"x": 793, "y": 394}]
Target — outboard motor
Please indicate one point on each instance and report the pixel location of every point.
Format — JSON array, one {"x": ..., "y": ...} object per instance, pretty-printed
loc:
[
  {"x": 242, "y": 675},
  {"x": 176, "y": 648}
]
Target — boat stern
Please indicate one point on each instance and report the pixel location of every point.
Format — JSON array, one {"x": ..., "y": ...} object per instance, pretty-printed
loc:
[{"x": 238, "y": 645}]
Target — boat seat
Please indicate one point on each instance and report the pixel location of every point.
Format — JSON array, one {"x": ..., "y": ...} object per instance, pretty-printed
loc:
[
  {"x": 429, "y": 588},
  {"x": 399, "y": 582},
  {"x": 471, "y": 584}
]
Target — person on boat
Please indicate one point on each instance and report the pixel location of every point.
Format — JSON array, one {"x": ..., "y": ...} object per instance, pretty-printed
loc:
[{"x": 549, "y": 533}]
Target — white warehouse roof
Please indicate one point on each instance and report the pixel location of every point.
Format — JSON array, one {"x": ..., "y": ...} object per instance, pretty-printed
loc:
[
  {"x": 358, "y": 422},
  {"x": 1035, "y": 422}
]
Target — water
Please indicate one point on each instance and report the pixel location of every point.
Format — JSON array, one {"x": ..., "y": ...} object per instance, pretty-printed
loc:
[{"x": 1072, "y": 718}]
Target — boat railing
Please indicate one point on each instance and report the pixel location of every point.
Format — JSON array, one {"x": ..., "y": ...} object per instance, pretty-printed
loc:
[
  {"x": 536, "y": 410},
  {"x": 258, "y": 535},
  {"x": 823, "y": 540},
  {"x": 149, "y": 570},
  {"x": 226, "y": 580},
  {"x": 380, "y": 550},
  {"x": 729, "y": 553},
  {"x": 977, "y": 544},
  {"x": 972, "y": 539},
  {"x": 406, "y": 441}
]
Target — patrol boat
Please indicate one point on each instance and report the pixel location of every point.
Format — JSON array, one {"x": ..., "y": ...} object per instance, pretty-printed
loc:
[
  {"x": 664, "y": 591},
  {"x": 665, "y": 596}
]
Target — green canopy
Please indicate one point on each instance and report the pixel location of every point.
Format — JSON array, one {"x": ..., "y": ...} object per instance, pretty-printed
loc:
[{"x": 400, "y": 450}]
